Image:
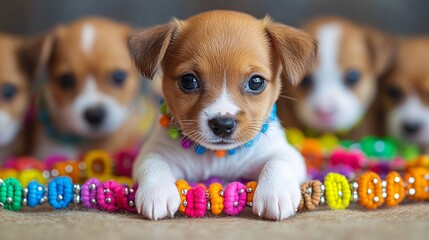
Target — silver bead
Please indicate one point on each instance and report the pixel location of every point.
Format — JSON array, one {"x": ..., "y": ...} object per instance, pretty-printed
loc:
[
  {"x": 376, "y": 199},
  {"x": 40, "y": 188},
  {"x": 184, "y": 191},
  {"x": 355, "y": 198},
  {"x": 322, "y": 187},
  {"x": 383, "y": 183},
  {"x": 131, "y": 203},
  {"x": 55, "y": 173},
  {"x": 384, "y": 195},
  {"x": 207, "y": 195},
  {"x": 309, "y": 191},
  {"x": 25, "y": 192},
  {"x": 108, "y": 200},
  {"x": 411, "y": 180},
  {"x": 427, "y": 189},
  {"x": 355, "y": 185},
  {"x": 24, "y": 201},
  {"x": 322, "y": 200},
  {"x": 250, "y": 204},
  {"x": 126, "y": 191},
  {"x": 77, "y": 199},
  {"x": 60, "y": 197},
  {"x": 369, "y": 191},
  {"x": 208, "y": 206},
  {"x": 241, "y": 191},
  {"x": 185, "y": 203},
  {"x": 1, "y": 206},
  {"x": 43, "y": 200},
  {"x": 427, "y": 177},
  {"x": 235, "y": 204},
  {"x": 82, "y": 165},
  {"x": 106, "y": 191},
  {"x": 77, "y": 188},
  {"x": 396, "y": 196},
  {"x": 412, "y": 191},
  {"x": 221, "y": 193},
  {"x": 69, "y": 169},
  {"x": 249, "y": 190},
  {"x": 131, "y": 190},
  {"x": 93, "y": 201},
  {"x": 92, "y": 186},
  {"x": 340, "y": 194},
  {"x": 1, "y": 182},
  {"x": 46, "y": 174},
  {"x": 375, "y": 181},
  {"x": 396, "y": 179}
]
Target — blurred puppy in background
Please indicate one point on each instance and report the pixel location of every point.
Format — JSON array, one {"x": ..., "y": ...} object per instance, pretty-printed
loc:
[
  {"x": 20, "y": 60},
  {"x": 406, "y": 93},
  {"x": 338, "y": 94},
  {"x": 91, "y": 97}
]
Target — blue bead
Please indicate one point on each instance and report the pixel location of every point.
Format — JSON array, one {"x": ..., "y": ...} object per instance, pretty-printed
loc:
[
  {"x": 232, "y": 151},
  {"x": 249, "y": 143},
  {"x": 200, "y": 150},
  {"x": 36, "y": 191},
  {"x": 60, "y": 186},
  {"x": 264, "y": 128}
]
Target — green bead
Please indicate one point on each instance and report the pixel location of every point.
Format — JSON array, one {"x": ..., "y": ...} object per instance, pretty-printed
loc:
[
  {"x": 11, "y": 188},
  {"x": 163, "y": 108},
  {"x": 173, "y": 133},
  {"x": 382, "y": 148}
]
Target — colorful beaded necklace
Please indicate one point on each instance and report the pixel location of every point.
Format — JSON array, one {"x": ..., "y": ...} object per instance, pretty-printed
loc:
[{"x": 186, "y": 142}]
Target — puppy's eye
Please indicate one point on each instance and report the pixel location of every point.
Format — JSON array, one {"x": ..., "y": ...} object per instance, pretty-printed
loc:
[
  {"x": 307, "y": 82},
  {"x": 189, "y": 83},
  {"x": 8, "y": 91},
  {"x": 395, "y": 93},
  {"x": 119, "y": 77},
  {"x": 256, "y": 84},
  {"x": 352, "y": 77},
  {"x": 67, "y": 81}
]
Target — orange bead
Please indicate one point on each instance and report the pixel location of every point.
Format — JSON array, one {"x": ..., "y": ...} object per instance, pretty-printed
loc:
[
  {"x": 395, "y": 192},
  {"x": 216, "y": 198},
  {"x": 417, "y": 183},
  {"x": 182, "y": 187},
  {"x": 164, "y": 121},
  {"x": 220, "y": 153},
  {"x": 69, "y": 169},
  {"x": 312, "y": 151},
  {"x": 370, "y": 190},
  {"x": 250, "y": 188}
]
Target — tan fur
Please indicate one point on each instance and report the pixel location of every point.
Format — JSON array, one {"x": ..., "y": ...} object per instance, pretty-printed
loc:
[
  {"x": 362, "y": 48},
  {"x": 257, "y": 47},
  {"x": 108, "y": 53},
  {"x": 20, "y": 60}
]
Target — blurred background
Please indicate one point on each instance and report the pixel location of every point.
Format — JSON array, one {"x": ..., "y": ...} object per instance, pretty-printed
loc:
[{"x": 395, "y": 16}]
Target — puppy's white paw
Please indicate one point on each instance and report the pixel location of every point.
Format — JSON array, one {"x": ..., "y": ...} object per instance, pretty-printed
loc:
[
  {"x": 157, "y": 200},
  {"x": 276, "y": 200}
]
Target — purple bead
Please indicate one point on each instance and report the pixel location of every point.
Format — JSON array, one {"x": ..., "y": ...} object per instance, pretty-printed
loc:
[{"x": 186, "y": 143}]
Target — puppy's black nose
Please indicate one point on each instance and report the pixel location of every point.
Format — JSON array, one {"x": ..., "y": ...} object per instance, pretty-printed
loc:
[
  {"x": 95, "y": 115},
  {"x": 222, "y": 126},
  {"x": 411, "y": 128}
]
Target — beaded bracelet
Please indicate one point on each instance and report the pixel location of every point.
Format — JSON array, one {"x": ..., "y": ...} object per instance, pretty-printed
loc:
[{"x": 336, "y": 191}]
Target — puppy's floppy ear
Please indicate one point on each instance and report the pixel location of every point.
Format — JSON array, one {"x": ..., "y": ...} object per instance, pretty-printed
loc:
[
  {"x": 296, "y": 49},
  {"x": 147, "y": 47},
  {"x": 34, "y": 52},
  {"x": 381, "y": 48}
]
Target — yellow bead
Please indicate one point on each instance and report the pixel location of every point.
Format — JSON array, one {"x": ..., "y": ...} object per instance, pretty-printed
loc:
[
  {"x": 28, "y": 175},
  {"x": 329, "y": 141},
  {"x": 294, "y": 136},
  {"x": 98, "y": 163}
]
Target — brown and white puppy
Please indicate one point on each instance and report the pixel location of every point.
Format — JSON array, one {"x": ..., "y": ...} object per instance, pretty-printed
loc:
[
  {"x": 90, "y": 98},
  {"x": 338, "y": 94},
  {"x": 19, "y": 62},
  {"x": 406, "y": 92},
  {"x": 221, "y": 77}
]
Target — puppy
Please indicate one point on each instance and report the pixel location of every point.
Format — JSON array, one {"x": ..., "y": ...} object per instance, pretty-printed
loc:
[
  {"x": 20, "y": 60},
  {"x": 406, "y": 93},
  {"x": 90, "y": 98},
  {"x": 338, "y": 94},
  {"x": 221, "y": 77}
]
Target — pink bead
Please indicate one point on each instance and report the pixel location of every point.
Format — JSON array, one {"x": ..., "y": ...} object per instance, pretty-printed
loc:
[
  {"x": 54, "y": 159},
  {"x": 234, "y": 198},
  {"x": 196, "y": 202},
  {"x": 126, "y": 199},
  {"x": 186, "y": 143},
  {"x": 106, "y": 195},
  {"x": 10, "y": 163},
  {"x": 353, "y": 158}
]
